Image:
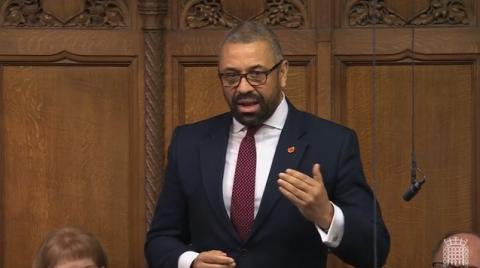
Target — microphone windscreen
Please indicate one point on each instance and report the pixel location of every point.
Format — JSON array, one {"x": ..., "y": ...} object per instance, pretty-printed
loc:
[
  {"x": 410, "y": 193},
  {"x": 413, "y": 190}
]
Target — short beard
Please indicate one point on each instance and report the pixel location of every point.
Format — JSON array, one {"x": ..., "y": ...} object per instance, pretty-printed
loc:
[{"x": 253, "y": 119}]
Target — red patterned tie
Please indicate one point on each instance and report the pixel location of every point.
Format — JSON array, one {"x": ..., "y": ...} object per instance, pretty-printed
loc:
[{"x": 243, "y": 192}]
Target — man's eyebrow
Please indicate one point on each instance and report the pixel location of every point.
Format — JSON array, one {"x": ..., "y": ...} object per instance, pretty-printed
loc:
[
  {"x": 258, "y": 66},
  {"x": 232, "y": 69}
]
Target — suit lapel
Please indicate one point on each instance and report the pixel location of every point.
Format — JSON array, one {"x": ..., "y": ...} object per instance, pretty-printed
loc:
[
  {"x": 212, "y": 161},
  {"x": 288, "y": 154}
]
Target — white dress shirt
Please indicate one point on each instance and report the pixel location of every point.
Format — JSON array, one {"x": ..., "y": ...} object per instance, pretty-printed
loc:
[{"x": 266, "y": 140}]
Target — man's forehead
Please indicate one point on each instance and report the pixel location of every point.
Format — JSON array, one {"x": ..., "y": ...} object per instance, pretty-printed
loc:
[{"x": 244, "y": 56}]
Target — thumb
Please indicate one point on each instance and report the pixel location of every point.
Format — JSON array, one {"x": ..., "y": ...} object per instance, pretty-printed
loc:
[{"x": 317, "y": 175}]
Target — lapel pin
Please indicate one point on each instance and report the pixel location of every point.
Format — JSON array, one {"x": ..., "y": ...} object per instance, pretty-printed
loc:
[{"x": 291, "y": 149}]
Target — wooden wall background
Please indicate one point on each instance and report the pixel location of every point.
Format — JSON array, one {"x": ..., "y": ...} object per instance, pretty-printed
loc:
[
  {"x": 91, "y": 91},
  {"x": 73, "y": 80}
]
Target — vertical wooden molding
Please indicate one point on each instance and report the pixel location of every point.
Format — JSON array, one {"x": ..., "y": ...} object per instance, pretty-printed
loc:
[
  {"x": 153, "y": 12},
  {"x": 2, "y": 167}
]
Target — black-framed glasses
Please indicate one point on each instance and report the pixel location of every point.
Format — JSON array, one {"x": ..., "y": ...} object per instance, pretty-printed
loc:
[
  {"x": 443, "y": 265},
  {"x": 254, "y": 78}
]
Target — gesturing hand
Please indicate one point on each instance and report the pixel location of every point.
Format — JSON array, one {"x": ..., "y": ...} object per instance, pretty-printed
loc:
[
  {"x": 213, "y": 259},
  {"x": 308, "y": 195}
]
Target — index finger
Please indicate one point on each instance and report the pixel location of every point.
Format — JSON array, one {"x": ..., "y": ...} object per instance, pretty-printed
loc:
[
  {"x": 300, "y": 176},
  {"x": 217, "y": 258}
]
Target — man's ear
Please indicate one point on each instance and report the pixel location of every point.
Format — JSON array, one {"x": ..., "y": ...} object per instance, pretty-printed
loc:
[{"x": 283, "y": 74}]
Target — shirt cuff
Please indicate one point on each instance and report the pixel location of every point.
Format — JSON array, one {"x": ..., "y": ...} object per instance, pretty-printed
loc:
[
  {"x": 186, "y": 259},
  {"x": 333, "y": 236}
]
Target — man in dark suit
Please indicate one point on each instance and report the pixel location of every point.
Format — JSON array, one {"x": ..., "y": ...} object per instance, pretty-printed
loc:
[{"x": 245, "y": 188}]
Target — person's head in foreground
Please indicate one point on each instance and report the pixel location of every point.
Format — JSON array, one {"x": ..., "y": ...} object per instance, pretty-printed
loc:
[
  {"x": 70, "y": 247},
  {"x": 458, "y": 250}
]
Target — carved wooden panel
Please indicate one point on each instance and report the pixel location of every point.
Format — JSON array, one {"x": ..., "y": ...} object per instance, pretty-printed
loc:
[
  {"x": 64, "y": 13},
  {"x": 196, "y": 14},
  {"x": 88, "y": 82},
  {"x": 68, "y": 142},
  {"x": 445, "y": 134},
  {"x": 432, "y": 13}
]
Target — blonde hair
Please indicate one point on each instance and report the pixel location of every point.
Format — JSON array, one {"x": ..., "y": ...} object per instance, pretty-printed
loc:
[{"x": 67, "y": 244}]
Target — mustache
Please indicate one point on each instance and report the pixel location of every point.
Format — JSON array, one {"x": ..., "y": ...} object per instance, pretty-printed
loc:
[{"x": 247, "y": 96}]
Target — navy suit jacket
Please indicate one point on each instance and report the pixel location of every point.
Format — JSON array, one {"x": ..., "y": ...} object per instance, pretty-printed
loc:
[{"x": 191, "y": 214}]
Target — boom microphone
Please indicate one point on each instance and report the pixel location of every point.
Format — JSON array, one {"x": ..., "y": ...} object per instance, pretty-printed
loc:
[{"x": 415, "y": 184}]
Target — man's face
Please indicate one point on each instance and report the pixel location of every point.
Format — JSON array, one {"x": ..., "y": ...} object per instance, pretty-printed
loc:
[{"x": 252, "y": 105}]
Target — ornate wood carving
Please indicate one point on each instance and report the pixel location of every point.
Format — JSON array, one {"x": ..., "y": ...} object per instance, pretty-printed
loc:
[
  {"x": 210, "y": 14},
  {"x": 442, "y": 12},
  {"x": 95, "y": 13},
  {"x": 205, "y": 13},
  {"x": 439, "y": 12},
  {"x": 153, "y": 12},
  {"x": 368, "y": 12},
  {"x": 289, "y": 14}
]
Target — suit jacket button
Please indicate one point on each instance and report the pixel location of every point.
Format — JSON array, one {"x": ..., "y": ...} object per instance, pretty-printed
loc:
[{"x": 243, "y": 251}]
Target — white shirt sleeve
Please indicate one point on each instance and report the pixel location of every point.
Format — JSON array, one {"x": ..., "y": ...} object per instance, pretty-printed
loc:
[
  {"x": 334, "y": 234},
  {"x": 186, "y": 259}
]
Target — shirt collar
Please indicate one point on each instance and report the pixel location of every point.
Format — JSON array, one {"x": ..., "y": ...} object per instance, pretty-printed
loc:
[{"x": 277, "y": 120}]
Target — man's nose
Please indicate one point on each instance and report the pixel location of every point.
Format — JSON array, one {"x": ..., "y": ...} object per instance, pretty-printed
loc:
[{"x": 244, "y": 86}]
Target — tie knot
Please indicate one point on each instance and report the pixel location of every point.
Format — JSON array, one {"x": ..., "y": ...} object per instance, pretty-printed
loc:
[{"x": 252, "y": 130}]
